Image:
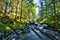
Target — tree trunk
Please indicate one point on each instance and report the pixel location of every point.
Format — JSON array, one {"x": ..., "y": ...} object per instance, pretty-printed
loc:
[
  {"x": 21, "y": 11},
  {"x": 16, "y": 9},
  {"x": 5, "y": 9},
  {"x": 54, "y": 14},
  {"x": 46, "y": 7}
]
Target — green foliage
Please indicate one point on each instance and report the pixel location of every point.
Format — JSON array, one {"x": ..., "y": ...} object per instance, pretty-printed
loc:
[
  {"x": 51, "y": 22},
  {"x": 58, "y": 16},
  {"x": 2, "y": 27},
  {"x": 50, "y": 14},
  {"x": 19, "y": 25}
]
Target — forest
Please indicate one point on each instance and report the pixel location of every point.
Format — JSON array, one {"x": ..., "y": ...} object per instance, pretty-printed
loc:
[{"x": 15, "y": 14}]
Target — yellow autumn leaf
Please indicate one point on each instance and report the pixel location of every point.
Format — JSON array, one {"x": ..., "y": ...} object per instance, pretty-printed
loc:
[{"x": 7, "y": 28}]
